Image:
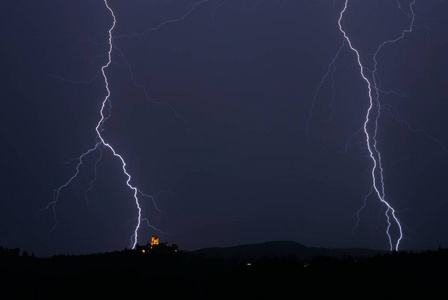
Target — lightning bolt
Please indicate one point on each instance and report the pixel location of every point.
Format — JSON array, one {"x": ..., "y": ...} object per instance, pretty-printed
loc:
[
  {"x": 101, "y": 142},
  {"x": 103, "y": 119},
  {"x": 378, "y": 184},
  {"x": 105, "y": 112}
]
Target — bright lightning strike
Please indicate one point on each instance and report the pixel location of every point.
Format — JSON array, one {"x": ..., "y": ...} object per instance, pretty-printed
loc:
[
  {"x": 102, "y": 120},
  {"x": 371, "y": 141},
  {"x": 101, "y": 142},
  {"x": 105, "y": 108},
  {"x": 370, "y": 126}
]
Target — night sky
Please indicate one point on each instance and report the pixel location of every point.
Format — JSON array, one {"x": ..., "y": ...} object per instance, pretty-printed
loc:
[{"x": 221, "y": 142}]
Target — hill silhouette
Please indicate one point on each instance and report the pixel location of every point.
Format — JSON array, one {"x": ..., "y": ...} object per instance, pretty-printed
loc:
[
  {"x": 258, "y": 271},
  {"x": 282, "y": 249}
]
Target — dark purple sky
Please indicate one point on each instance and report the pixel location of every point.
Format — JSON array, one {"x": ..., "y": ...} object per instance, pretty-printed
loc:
[{"x": 232, "y": 165}]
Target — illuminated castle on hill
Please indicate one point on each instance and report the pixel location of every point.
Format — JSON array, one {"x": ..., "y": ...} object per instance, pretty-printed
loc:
[
  {"x": 156, "y": 246},
  {"x": 155, "y": 241}
]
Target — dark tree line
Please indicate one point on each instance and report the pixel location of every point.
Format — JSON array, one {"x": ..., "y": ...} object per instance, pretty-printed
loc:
[{"x": 187, "y": 275}]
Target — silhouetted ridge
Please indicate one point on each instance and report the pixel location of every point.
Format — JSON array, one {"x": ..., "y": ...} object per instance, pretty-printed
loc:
[
  {"x": 279, "y": 273},
  {"x": 282, "y": 249}
]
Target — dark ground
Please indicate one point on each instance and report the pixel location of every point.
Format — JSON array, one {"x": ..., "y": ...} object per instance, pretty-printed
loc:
[{"x": 189, "y": 275}]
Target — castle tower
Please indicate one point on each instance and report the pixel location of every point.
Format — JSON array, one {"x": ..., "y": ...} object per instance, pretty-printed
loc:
[{"x": 154, "y": 241}]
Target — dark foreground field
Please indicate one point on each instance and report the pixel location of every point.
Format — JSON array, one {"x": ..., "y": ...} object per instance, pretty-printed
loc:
[{"x": 197, "y": 275}]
